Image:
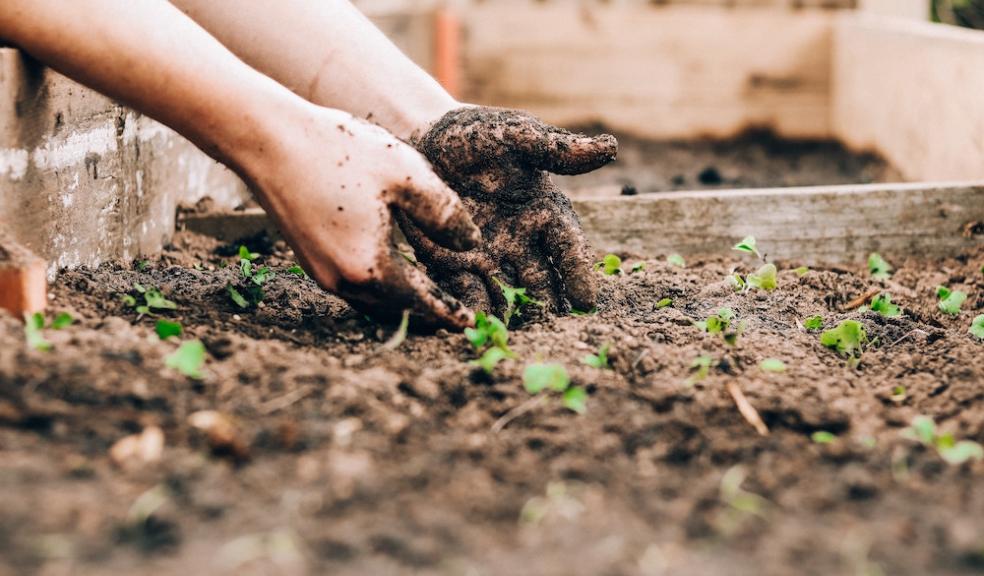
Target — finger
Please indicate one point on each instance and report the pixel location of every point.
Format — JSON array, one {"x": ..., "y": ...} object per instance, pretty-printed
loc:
[
  {"x": 572, "y": 255},
  {"x": 471, "y": 290},
  {"x": 557, "y": 150},
  {"x": 438, "y": 211},
  {"x": 536, "y": 276},
  {"x": 401, "y": 286}
]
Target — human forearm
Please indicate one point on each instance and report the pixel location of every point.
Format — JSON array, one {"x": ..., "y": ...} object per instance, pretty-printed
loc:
[
  {"x": 329, "y": 53},
  {"x": 149, "y": 55}
]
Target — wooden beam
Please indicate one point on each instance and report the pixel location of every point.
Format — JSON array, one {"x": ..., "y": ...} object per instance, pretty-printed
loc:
[{"x": 837, "y": 224}]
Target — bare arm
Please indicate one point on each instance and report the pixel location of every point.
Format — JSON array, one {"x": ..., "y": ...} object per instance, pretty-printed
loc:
[
  {"x": 329, "y": 53},
  {"x": 328, "y": 179}
]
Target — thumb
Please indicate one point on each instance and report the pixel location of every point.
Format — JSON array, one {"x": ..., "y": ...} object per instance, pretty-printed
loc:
[
  {"x": 563, "y": 152},
  {"x": 438, "y": 210}
]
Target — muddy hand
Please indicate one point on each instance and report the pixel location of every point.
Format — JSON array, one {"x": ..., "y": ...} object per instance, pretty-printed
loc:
[
  {"x": 499, "y": 160},
  {"x": 333, "y": 187}
]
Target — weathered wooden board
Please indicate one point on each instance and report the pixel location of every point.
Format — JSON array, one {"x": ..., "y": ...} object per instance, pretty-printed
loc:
[
  {"x": 911, "y": 91},
  {"x": 651, "y": 69},
  {"x": 838, "y": 224}
]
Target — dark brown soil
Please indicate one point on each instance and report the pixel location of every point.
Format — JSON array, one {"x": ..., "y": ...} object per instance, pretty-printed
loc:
[
  {"x": 753, "y": 160},
  {"x": 363, "y": 461}
]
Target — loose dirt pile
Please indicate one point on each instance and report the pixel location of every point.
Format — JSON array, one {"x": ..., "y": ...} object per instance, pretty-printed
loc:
[
  {"x": 752, "y": 160},
  {"x": 356, "y": 460}
]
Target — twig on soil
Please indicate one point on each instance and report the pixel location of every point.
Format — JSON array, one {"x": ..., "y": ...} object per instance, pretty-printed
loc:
[
  {"x": 528, "y": 406},
  {"x": 861, "y": 300},
  {"x": 281, "y": 402},
  {"x": 748, "y": 411},
  {"x": 910, "y": 333}
]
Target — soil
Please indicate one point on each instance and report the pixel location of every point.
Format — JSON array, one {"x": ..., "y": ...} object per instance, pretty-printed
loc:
[
  {"x": 755, "y": 159},
  {"x": 353, "y": 459}
]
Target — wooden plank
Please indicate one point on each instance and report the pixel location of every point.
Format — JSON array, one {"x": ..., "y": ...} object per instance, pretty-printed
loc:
[
  {"x": 653, "y": 70},
  {"x": 837, "y": 224},
  {"x": 911, "y": 91}
]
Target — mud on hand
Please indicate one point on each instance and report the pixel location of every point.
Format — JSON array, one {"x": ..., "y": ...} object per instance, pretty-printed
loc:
[{"x": 499, "y": 162}]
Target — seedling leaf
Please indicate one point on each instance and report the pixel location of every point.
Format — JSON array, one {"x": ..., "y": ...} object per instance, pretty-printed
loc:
[
  {"x": 516, "y": 299},
  {"x": 156, "y": 300},
  {"x": 188, "y": 359},
  {"x": 748, "y": 245},
  {"x": 245, "y": 254},
  {"x": 575, "y": 399},
  {"x": 610, "y": 265},
  {"x": 701, "y": 367},
  {"x": 772, "y": 365},
  {"x": 950, "y": 300},
  {"x": 676, "y": 260},
  {"x": 977, "y": 327},
  {"x": 638, "y": 267},
  {"x": 878, "y": 267},
  {"x": 961, "y": 452},
  {"x": 592, "y": 312},
  {"x": 922, "y": 429},
  {"x": 813, "y": 322},
  {"x": 848, "y": 338},
  {"x": 537, "y": 377},
  {"x": 491, "y": 358},
  {"x": 882, "y": 304},
  {"x": 488, "y": 330},
  {"x": 737, "y": 282},
  {"x": 599, "y": 360},
  {"x": 765, "y": 278},
  {"x": 237, "y": 297},
  {"x": 165, "y": 329},
  {"x": 822, "y": 437},
  {"x": 296, "y": 270},
  {"x": 33, "y": 324},
  {"x": 664, "y": 303},
  {"x": 802, "y": 271},
  {"x": 62, "y": 320},
  {"x": 401, "y": 333}
]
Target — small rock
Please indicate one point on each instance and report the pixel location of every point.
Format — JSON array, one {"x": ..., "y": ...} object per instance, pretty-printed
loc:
[
  {"x": 222, "y": 434},
  {"x": 138, "y": 450}
]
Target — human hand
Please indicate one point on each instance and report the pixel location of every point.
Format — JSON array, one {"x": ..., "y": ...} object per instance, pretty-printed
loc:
[
  {"x": 498, "y": 161},
  {"x": 331, "y": 183}
]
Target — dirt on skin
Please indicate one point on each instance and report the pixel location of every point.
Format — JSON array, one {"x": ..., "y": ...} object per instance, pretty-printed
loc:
[
  {"x": 755, "y": 159},
  {"x": 359, "y": 460}
]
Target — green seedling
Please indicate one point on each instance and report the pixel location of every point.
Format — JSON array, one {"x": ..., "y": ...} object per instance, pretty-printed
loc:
[
  {"x": 665, "y": 302},
  {"x": 599, "y": 360},
  {"x": 748, "y": 245},
  {"x": 296, "y": 270},
  {"x": 977, "y": 327},
  {"x": 638, "y": 267},
  {"x": 740, "y": 504},
  {"x": 153, "y": 300},
  {"x": 764, "y": 278},
  {"x": 878, "y": 267},
  {"x": 848, "y": 338},
  {"x": 700, "y": 368},
  {"x": 950, "y": 301},
  {"x": 823, "y": 437},
  {"x": 166, "y": 329},
  {"x": 553, "y": 377},
  {"x": 676, "y": 260},
  {"x": 882, "y": 304},
  {"x": 250, "y": 290},
  {"x": 610, "y": 265},
  {"x": 488, "y": 330},
  {"x": 899, "y": 394},
  {"x": 33, "y": 325},
  {"x": 142, "y": 265},
  {"x": 802, "y": 271},
  {"x": 813, "y": 322},
  {"x": 62, "y": 320},
  {"x": 491, "y": 358},
  {"x": 401, "y": 333},
  {"x": 188, "y": 359},
  {"x": 924, "y": 431},
  {"x": 772, "y": 365},
  {"x": 723, "y": 323},
  {"x": 737, "y": 282},
  {"x": 516, "y": 299}
]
